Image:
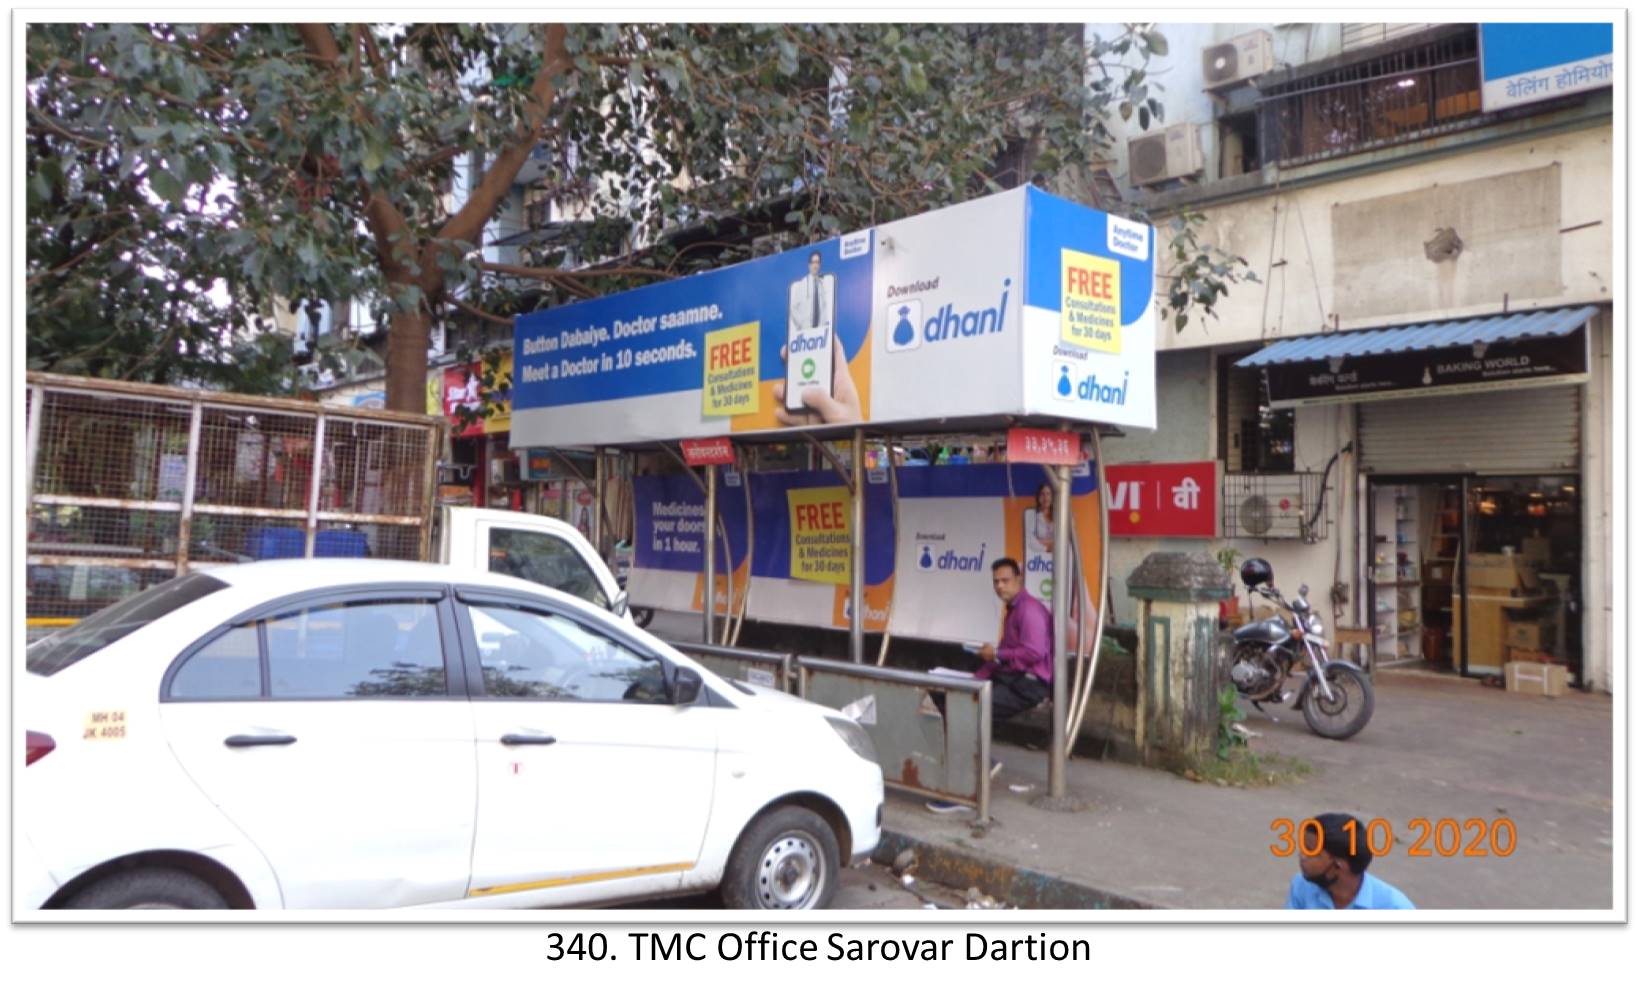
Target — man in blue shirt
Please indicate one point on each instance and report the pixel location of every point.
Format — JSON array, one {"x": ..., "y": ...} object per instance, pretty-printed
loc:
[{"x": 1335, "y": 877}]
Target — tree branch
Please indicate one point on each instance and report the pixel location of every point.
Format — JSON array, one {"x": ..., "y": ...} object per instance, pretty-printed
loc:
[
  {"x": 547, "y": 273},
  {"x": 71, "y": 136},
  {"x": 372, "y": 51},
  {"x": 467, "y": 223},
  {"x": 386, "y": 221},
  {"x": 93, "y": 247},
  {"x": 486, "y": 316}
]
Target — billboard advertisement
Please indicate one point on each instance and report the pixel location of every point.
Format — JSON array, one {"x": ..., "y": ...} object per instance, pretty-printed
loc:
[
  {"x": 977, "y": 310},
  {"x": 953, "y": 522}
]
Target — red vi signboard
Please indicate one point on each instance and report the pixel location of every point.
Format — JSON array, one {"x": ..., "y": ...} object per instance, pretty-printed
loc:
[{"x": 1163, "y": 499}]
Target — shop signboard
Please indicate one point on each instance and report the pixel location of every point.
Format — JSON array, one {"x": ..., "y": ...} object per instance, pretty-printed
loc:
[
  {"x": 1535, "y": 362},
  {"x": 536, "y": 465},
  {"x": 1525, "y": 63},
  {"x": 1164, "y": 499},
  {"x": 1019, "y": 303},
  {"x": 460, "y": 389}
]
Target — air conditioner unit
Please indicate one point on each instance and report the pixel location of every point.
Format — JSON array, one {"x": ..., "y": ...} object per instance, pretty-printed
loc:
[
  {"x": 1266, "y": 506},
  {"x": 1165, "y": 155},
  {"x": 1237, "y": 59}
]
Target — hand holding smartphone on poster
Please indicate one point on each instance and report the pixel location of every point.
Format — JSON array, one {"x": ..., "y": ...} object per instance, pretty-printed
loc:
[
  {"x": 817, "y": 385},
  {"x": 817, "y": 405}
]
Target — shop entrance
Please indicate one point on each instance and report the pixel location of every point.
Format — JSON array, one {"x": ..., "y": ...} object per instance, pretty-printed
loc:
[{"x": 1517, "y": 540}]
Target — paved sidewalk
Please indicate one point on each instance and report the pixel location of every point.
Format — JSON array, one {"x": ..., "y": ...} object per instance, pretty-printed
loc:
[{"x": 1436, "y": 748}]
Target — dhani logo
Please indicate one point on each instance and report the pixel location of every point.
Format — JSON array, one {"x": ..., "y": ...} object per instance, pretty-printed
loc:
[
  {"x": 1089, "y": 389},
  {"x": 948, "y": 323},
  {"x": 809, "y": 343},
  {"x": 943, "y": 558}
]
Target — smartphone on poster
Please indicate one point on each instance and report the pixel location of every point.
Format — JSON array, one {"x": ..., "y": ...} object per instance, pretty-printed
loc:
[{"x": 809, "y": 362}]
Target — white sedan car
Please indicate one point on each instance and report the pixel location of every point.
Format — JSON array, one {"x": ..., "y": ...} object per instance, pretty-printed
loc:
[{"x": 372, "y": 734}]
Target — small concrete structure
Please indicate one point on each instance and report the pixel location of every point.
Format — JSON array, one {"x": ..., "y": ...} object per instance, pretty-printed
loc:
[{"x": 1177, "y": 596}]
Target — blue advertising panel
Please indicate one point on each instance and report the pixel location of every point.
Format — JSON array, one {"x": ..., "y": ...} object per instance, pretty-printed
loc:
[{"x": 1524, "y": 63}]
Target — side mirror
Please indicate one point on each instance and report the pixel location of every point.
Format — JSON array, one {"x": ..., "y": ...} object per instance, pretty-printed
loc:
[
  {"x": 686, "y": 686},
  {"x": 1303, "y": 591},
  {"x": 620, "y": 604}
]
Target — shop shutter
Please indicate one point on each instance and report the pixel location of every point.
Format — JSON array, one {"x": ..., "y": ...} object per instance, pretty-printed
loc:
[{"x": 1494, "y": 432}]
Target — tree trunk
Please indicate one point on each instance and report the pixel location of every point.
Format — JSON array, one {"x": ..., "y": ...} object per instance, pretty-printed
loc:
[{"x": 407, "y": 339}]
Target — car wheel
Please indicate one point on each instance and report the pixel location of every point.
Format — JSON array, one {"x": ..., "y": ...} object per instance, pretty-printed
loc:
[
  {"x": 785, "y": 860},
  {"x": 148, "y": 889}
]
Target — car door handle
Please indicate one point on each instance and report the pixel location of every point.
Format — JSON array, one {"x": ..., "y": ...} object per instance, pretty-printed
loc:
[
  {"x": 525, "y": 739},
  {"x": 259, "y": 740}
]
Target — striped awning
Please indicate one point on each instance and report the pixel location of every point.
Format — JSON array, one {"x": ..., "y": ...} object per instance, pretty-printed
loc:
[{"x": 1417, "y": 338}]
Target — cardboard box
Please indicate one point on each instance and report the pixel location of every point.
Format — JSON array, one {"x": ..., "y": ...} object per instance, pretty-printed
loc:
[
  {"x": 1535, "y": 635},
  {"x": 1500, "y": 571},
  {"x": 1535, "y": 678},
  {"x": 1533, "y": 654}
]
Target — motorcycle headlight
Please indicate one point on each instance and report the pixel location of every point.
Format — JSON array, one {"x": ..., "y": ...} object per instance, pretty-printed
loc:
[
  {"x": 855, "y": 737},
  {"x": 1315, "y": 626}
]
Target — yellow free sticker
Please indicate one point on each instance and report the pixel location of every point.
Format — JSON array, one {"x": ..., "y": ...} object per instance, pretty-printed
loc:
[
  {"x": 1091, "y": 302},
  {"x": 108, "y": 724},
  {"x": 821, "y": 548},
  {"x": 731, "y": 370}
]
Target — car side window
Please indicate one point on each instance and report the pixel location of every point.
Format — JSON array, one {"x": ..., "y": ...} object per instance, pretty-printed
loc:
[
  {"x": 228, "y": 667},
  {"x": 535, "y": 655},
  {"x": 369, "y": 649},
  {"x": 546, "y": 560}
]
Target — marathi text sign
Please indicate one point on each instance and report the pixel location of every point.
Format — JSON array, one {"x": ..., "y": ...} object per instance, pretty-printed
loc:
[
  {"x": 1525, "y": 63},
  {"x": 1163, "y": 499},
  {"x": 1043, "y": 446},
  {"x": 706, "y": 452}
]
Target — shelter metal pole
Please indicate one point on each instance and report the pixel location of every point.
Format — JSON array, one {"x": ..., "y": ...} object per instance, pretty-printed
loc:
[
  {"x": 856, "y": 582},
  {"x": 1057, "y": 780},
  {"x": 597, "y": 498},
  {"x": 709, "y": 599}
]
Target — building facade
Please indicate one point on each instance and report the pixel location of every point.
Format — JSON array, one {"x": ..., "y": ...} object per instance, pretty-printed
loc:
[{"x": 1447, "y": 475}]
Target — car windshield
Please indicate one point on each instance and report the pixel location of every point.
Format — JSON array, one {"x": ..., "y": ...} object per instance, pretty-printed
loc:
[{"x": 91, "y": 634}]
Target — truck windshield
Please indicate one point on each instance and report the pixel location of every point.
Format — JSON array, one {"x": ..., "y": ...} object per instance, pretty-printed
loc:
[{"x": 91, "y": 634}]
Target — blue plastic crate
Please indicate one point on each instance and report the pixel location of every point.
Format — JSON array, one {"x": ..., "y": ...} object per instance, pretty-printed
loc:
[
  {"x": 274, "y": 542},
  {"x": 341, "y": 543}
]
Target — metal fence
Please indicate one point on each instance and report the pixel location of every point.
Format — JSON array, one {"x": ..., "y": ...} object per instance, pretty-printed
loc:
[
  {"x": 754, "y": 667},
  {"x": 943, "y": 753},
  {"x": 130, "y": 484}
]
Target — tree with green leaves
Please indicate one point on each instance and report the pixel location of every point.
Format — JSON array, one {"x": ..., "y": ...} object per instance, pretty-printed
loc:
[{"x": 184, "y": 178}]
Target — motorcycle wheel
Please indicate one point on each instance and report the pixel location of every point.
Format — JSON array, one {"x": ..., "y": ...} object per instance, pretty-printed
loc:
[{"x": 1353, "y": 701}]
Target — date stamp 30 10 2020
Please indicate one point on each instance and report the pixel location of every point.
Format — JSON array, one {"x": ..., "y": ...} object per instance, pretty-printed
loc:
[{"x": 1442, "y": 838}]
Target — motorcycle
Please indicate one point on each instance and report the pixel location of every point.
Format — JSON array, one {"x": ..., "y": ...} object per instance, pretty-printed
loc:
[{"x": 1336, "y": 697}]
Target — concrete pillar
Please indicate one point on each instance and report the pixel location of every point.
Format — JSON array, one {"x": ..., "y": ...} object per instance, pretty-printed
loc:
[{"x": 1178, "y": 680}]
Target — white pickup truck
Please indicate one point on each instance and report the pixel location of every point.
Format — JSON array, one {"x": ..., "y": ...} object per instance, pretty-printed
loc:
[{"x": 536, "y": 548}]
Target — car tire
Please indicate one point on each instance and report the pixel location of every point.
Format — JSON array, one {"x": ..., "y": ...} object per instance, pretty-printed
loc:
[
  {"x": 787, "y": 859},
  {"x": 148, "y": 889}
]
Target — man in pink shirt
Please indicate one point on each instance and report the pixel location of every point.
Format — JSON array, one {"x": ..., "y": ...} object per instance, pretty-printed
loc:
[{"x": 1020, "y": 669}]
